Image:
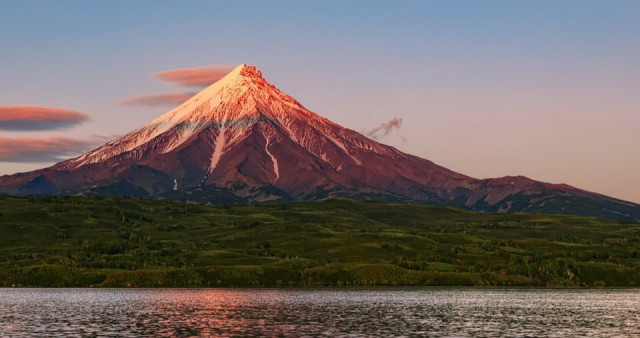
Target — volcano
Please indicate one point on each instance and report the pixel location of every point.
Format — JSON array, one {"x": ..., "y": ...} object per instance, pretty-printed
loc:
[{"x": 241, "y": 140}]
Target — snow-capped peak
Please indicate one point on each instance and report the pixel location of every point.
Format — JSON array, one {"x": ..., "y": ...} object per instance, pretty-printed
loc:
[
  {"x": 241, "y": 139},
  {"x": 241, "y": 94},
  {"x": 227, "y": 109}
]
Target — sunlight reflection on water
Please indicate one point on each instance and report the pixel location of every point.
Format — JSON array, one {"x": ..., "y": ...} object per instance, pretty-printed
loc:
[{"x": 367, "y": 312}]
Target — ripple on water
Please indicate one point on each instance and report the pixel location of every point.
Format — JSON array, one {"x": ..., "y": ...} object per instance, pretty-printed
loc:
[{"x": 367, "y": 312}]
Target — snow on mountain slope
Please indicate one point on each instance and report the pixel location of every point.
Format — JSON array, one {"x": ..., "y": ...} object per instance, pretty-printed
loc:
[
  {"x": 230, "y": 106},
  {"x": 243, "y": 140}
]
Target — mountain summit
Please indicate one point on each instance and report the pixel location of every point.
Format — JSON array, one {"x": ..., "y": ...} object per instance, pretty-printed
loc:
[{"x": 242, "y": 140}]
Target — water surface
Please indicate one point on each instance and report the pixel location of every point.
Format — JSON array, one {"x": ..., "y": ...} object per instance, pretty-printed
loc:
[{"x": 366, "y": 312}]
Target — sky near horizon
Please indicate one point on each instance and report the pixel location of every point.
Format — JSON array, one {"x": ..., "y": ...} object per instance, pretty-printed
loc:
[{"x": 545, "y": 89}]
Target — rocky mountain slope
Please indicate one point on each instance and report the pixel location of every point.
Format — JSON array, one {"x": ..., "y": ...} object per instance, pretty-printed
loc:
[{"x": 241, "y": 140}]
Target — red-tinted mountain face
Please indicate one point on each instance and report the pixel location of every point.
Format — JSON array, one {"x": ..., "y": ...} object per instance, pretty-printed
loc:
[{"x": 242, "y": 140}]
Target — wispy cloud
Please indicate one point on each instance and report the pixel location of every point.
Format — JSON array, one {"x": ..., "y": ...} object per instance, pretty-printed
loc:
[
  {"x": 198, "y": 76},
  {"x": 46, "y": 149},
  {"x": 384, "y": 129},
  {"x": 36, "y": 118},
  {"x": 194, "y": 77},
  {"x": 156, "y": 100}
]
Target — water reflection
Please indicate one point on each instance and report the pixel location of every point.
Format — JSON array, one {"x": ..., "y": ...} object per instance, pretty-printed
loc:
[{"x": 372, "y": 312}]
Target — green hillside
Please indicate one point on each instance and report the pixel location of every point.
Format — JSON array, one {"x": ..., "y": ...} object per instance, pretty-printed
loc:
[{"x": 113, "y": 241}]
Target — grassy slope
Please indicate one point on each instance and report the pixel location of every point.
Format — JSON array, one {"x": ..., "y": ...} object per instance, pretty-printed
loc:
[{"x": 113, "y": 241}]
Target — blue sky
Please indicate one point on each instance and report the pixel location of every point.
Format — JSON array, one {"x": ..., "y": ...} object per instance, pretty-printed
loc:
[{"x": 546, "y": 89}]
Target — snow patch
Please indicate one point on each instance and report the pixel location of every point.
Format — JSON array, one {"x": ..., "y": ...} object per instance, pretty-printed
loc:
[
  {"x": 341, "y": 146},
  {"x": 273, "y": 159},
  {"x": 220, "y": 142},
  {"x": 185, "y": 133}
]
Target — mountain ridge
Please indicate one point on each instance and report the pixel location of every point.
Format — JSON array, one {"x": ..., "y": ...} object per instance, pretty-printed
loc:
[{"x": 241, "y": 140}]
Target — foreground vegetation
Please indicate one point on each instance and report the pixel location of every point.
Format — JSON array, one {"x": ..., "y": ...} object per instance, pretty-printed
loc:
[{"x": 114, "y": 241}]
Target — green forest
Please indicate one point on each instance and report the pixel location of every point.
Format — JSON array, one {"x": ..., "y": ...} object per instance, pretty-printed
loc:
[{"x": 99, "y": 241}]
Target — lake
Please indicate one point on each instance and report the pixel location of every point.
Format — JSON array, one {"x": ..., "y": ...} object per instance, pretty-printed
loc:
[{"x": 320, "y": 312}]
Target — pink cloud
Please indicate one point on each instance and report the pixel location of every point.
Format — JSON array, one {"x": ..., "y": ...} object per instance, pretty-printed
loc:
[
  {"x": 35, "y": 118},
  {"x": 156, "y": 100},
  {"x": 46, "y": 149},
  {"x": 198, "y": 76},
  {"x": 384, "y": 129}
]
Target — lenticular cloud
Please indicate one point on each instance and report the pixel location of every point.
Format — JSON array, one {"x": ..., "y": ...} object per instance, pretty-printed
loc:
[
  {"x": 35, "y": 118},
  {"x": 35, "y": 149},
  {"x": 46, "y": 149},
  {"x": 198, "y": 76}
]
